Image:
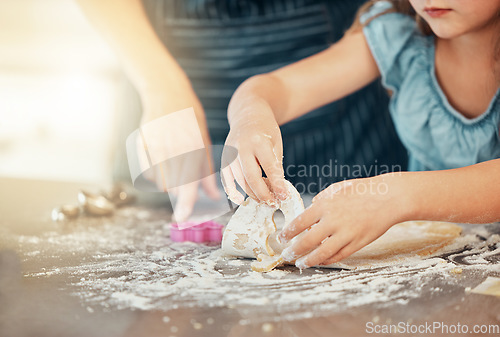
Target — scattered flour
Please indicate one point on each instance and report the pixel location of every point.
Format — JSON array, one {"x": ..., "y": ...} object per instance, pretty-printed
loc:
[{"x": 128, "y": 262}]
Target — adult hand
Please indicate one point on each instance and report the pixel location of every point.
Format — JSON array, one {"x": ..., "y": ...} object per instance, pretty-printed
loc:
[{"x": 171, "y": 144}]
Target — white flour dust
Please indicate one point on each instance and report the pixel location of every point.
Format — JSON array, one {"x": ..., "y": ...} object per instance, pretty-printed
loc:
[{"x": 130, "y": 263}]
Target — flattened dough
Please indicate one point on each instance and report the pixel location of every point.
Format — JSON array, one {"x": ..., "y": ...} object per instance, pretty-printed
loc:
[{"x": 401, "y": 242}]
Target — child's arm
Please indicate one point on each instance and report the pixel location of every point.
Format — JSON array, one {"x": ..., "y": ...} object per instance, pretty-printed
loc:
[
  {"x": 466, "y": 195},
  {"x": 263, "y": 102},
  {"x": 351, "y": 214}
]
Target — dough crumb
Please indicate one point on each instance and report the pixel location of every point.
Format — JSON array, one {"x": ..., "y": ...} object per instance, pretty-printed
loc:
[{"x": 267, "y": 327}]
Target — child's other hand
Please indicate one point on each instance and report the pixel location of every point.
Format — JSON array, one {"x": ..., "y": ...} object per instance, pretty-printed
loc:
[
  {"x": 343, "y": 218},
  {"x": 257, "y": 138}
]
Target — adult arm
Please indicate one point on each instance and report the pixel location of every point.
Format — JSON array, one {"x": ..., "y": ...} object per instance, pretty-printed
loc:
[{"x": 162, "y": 84}]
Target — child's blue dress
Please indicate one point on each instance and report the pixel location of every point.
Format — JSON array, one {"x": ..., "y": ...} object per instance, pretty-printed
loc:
[{"x": 436, "y": 135}]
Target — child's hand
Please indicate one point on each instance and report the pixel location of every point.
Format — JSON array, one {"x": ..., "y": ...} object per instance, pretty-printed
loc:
[
  {"x": 257, "y": 138},
  {"x": 344, "y": 218}
]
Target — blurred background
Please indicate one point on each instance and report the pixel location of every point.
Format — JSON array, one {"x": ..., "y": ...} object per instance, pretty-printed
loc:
[{"x": 59, "y": 84}]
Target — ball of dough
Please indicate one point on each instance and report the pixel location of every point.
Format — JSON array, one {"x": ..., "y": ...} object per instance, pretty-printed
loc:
[{"x": 248, "y": 230}]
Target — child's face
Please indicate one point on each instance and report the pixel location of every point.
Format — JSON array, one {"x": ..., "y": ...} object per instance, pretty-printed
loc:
[{"x": 452, "y": 18}]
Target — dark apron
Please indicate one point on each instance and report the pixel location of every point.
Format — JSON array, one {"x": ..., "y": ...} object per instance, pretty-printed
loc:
[{"x": 220, "y": 43}]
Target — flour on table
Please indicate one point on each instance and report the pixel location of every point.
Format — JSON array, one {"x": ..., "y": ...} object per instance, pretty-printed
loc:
[{"x": 128, "y": 263}]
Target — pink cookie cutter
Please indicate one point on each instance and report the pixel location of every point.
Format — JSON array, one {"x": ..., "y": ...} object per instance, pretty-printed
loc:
[{"x": 209, "y": 231}]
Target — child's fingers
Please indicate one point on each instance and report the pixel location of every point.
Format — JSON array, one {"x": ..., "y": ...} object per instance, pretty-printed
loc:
[
  {"x": 324, "y": 193},
  {"x": 240, "y": 179},
  {"x": 343, "y": 253},
  {"x": 310, "y": 216},
  {"x": 253, "y": 176},
  {"x": 331, "y": 246},
  {"x": 230, "y": 187},
  {"x": 273, "y": 169},
  {"x": 308, "y": 241},
  {"x": 331, "y": 190}
]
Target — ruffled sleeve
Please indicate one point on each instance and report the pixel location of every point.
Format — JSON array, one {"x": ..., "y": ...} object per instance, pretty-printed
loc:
[{"x": 394, "y": 40}]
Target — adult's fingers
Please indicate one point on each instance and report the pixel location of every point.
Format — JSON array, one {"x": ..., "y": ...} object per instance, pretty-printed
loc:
[
  {"x": 160, "y": 179},
  {"x": 142, "y": 158},
  {"x": 310, "y": 216},
  {"x": 187, "y": 197},
  {"x": 273, "y": 167},
  {"x": 329, "y": 247},
  {"x": 254, "y": 179},
  {"x": 210, "y": 187},
  {"x": 174, "y": 191},
  {"x": 308, "y": 241},
  {"x": 230, "y": 187}
]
